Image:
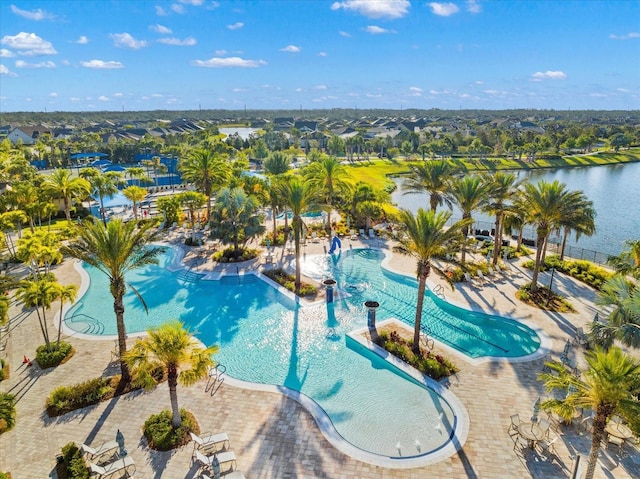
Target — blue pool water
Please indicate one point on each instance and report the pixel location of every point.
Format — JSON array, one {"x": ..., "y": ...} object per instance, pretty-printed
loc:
[{"x": 265, "y": 337}]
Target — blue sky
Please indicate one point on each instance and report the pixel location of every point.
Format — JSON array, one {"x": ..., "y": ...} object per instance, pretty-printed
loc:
[{"x": 97, "y": 55}]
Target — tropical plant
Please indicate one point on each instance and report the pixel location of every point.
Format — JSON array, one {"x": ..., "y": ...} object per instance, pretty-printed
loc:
[
  {"x": 158, "y": 167},
  {"x": 425, "y": 238},
  {"x": 502, "y": 189},
  {"x": 174, "y": 350},
  {"x": 206, "y": 170},
  {"x": 609, "y": 386},
  {"x": 277, "y": 164},
  {"x": 624, "y": 319},
  {"x": 135, "y": 194},
  {"x": 104, "y": 185},
  {"x": 39, "y": 294},
  {"x": 62, "y": 184},
  {"x": 578, "y": 216},
  {"x": 329, "y": 177},
  {"x": 627, "y": 262},
  {"x": 170, "y": 207},
  {"x": 300, "y": 197},
  {"x": 39, "y": 250},
  {"x": 7, "y": 411},
  {"x": 432, "y": 177},
  {"x": 65, "y": 293},
  {"x": 235, "y": 217},
  {"x": 116, "y": 249}
]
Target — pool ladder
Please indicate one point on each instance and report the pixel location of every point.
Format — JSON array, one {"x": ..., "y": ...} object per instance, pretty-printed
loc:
[
  {"x": 438, "y": 290},
  {"x": 425, "y": 337}
]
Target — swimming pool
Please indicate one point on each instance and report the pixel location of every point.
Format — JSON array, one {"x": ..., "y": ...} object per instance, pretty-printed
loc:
[{"x": 266, "y": 337}]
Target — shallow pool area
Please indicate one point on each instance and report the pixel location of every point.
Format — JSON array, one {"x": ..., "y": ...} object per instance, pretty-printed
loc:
[{"x": 379, "y": 413}]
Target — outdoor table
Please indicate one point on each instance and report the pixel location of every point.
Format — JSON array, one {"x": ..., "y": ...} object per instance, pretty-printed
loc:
[
  {"x": 532, "y": 432},
  {"x": 618, "y": 430}
]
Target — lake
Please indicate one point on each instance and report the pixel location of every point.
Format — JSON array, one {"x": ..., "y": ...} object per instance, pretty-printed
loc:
[{"x": 614, "y": 190}]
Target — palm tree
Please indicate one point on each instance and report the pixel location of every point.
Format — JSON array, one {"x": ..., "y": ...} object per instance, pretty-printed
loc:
[
  {"x": 235, "y": 217},
  {"x": 62, "y": 184},
  {"x": 158, "y": 167},
  {"x": 135, "y": 194},
  {"x": 609, "y": 387},
  {"x": 116, "y": 249},
  {"x": 425, "y": 238},
  {"x": 624, "y": 320},
  {"x": 104, "y": 185},
  {"x": 300, "y": 197},
  {"x": 172, "y": 349},
  {"x": 277, "y": 164},
  {"x": 329, "y": 176},
  {"x": 546, "y": 203},
  {"x": 138, "y": 173},
  {"x": 206, "y": 171},
  {"x": 470, "y": 193},
  {"x": 502, "y": 189},
  {"x": 39, "y": 294},
  {"x": 627, "y": 262},
  {"x": 65, "y": 293},
  {"x": 579, "y": 216},
  {"x": 431, "y": 177}
]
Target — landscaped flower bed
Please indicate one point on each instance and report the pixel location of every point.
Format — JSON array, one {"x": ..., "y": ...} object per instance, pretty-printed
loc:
[{"x": 288, "y": 281}]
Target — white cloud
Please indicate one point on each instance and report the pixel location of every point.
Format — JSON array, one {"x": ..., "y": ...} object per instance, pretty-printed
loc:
[
  {"x": 344, "y": 34},
  {"x": 376, "y": 30},
  {"x": 160, "y": 29},
  {"x": 192, "y": 2},
  {"x": 290, "y": 49},
  {"x": 322, "y": 54},
  {"x": 628, "y": 36},
  {"x": 125, "y": 40},
  {"x": 118, "y": 95},
  {"x": 103, "y": 98},
  {"x": 375, "y": 9},
  {"x": 229, "y": 62},
  {"x": 161, "y": 12},
  {"x": 28, "y": 44},
  {"x": 443, "y": 9},
  {"x": 415, "y": 89},
  {"x": 320, "y": 87},
  {"x": 622, "y": 90},
  {"x": 53, "y": 94},
  {"x": 102, "y": 65},
  {"x": 4, "y": 53},
  {"x": 74, "y": 99},
  {"x": 6, "y": 72},
  {"x": 37, "y": 14},
  {"x": 82, "y": 40},
  {"x": 239, "y": 90},
  {"x": 179, "y": 9},
  {"x": 235, "y": 26},
  {"x": 473, "y": 6},
  {"x": 187, "y": 42},
  {"x": 548, "y": 75},
  {"x": 23, "y": 64},
  {"x": 220, "y": 53}
]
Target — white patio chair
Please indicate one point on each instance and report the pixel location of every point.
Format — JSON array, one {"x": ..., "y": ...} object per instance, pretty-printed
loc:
[
  {"x": 230, "y": 475},
  {"x": 471, "y": 280},
  {"x": 100, "y": 455},
  {"x": 372, "y": 233},
  {"x": 547, "y": 445},
  {"x": 223, "y": 458},
  {"x": 119, "y": 466},
  {"x": 209, "y": 442}
]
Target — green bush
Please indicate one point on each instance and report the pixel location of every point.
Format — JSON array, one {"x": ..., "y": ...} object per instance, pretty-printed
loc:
[
  {"x": 5, "y": 475},
  {"x": 288, "y": 281},
  {"x": 229, "y": 255},
  {"x": 48, "y": 359},
  {"x": 7, "y": 412},
  {"x": 64, "y": 399},
  {"x": 72, "y": 465},
  {"x": 582, "y": 270},
  {"x": 4, "y": 371},
  {"x": 162, "y": 436}
]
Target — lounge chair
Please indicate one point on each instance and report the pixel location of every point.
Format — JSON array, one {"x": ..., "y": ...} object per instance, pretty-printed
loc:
[
  {"x": 230, "y": 475},
  {"x": 314, "y": 237},
  {"x": 117, "y": 468},
  {"x": 482, "y": 278},
  {"x": 354, "y": 236},
  {"x": 470, "y": 280},
  {"x": 102, "y": 454},
  {"x": 223, "y": 458},
  {"x": 514, "y": 425},
  {"x": 362, "y": 235},
  {"x": 372, "y": 233},
  {"x": 209, "y": 442}
]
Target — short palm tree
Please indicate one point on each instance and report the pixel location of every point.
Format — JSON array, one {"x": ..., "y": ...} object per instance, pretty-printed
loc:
[
  {"x": 578, "y": 216},
  {"x": 66, "y": 293},
  {"x": 39, "y": 294},
  {"x": 502, "y": 189},
  {"x": 62, "y": 184},
  {"x": 172, "y": 349},
  {"x": 105, "y": 185},
  {"x": 425, "y": 238},
  {"x": 431, "y": 177},
  {"x": 206, "y": 170},
  {"x": 116, "y": 249},
  {"x": 609, "y": 387},
  {"x": 628, "y": 262},
  {"x": 328, "y": 176},
  {"x": 135, "y": 194},
  {"x": 624, "y": 320}
]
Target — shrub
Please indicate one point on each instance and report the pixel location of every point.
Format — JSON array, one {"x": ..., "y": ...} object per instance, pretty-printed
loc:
[
  {"x": 7, "y": 412},
  {"x": 5, "y": 475},
  {"x": 48, "y": 359},
  {"x": 64, "y": 399},
  {"x": 545, "y": 299},
  {"x": 582, "y": 270},
  {"x": 283, "y": 278},
  {"x": 4, "y": 371},
  {"x": 162, "y": 436},
  {"x": 230, "y": 255},
  {"x": 72, "y": 465}
]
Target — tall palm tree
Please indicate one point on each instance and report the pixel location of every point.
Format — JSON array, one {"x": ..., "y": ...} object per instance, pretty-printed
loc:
[
  {"x": 624, "y": 320},
  {"x": 431, "y": 177},
  {"x": 425, "y": 238},
  {"x": 546, "y": 202},
  {"x": 579, "y": 216},
  {"x": 176, "y": 352},
  {"x": 137, "y": 173},
  {"x": 627, "y": 262},
  {"x": 300, "y": 197},
  {"x": 116, "y": 249},
  {"x": 609, "y": 387},
  {"x": 470, "y": 193},
  {"x": 65, "y": 293},
  {"x": 330, "y": 177},
  {"x": 62, "y": 184},
  {"x": 39, "y": 294},
  {"x": 502, "y": 189},
  {"x": 105, "y": 185},
  {"x": 135, "y": 194},
  {"x": 206, "y": 170}
]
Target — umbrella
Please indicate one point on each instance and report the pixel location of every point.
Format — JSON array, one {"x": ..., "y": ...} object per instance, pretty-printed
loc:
[
  {"x": 564, "y": 357},
  {"x": 120, "y": 441},
  {"x": 215, "y": 467},
  {"x": 489, "y": 254},
  {"x": 536, "y": 410},
  {"x": 505, "y": 256}
]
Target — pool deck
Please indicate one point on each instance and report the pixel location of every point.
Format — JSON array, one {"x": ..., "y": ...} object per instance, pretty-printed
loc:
[{"x": 273, "y": 436}]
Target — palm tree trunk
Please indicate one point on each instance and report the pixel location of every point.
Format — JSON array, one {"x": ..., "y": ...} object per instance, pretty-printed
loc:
[
  {"x": 599, "y": 423},
  {"x": 536, "y": 267},
  {"x": 67, "y": 211},
  {"x": 496, "y": 244},
  {"x": 59, "y": 325},
  {"x": 172, "y": 381},
  {"x": 118, "y": 307},
  {"x": 422, "y": 284},
  {"x": 297, "y": 226}
]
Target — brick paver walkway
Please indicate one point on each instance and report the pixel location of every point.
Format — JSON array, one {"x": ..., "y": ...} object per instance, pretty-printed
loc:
[{"x": 274, "y": 437}]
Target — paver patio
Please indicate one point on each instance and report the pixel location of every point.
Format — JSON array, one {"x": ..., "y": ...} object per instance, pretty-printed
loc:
[{"x": 271, "y": 435}]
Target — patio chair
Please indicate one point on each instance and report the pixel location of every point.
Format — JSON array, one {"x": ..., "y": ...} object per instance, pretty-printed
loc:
[
  {"x": 545, "y": 426},
  {"x": 586, "y": 425},
  {"x": 514, "y": 425},
  {"x": 223, "y": 458},
  {"x": 547, "y": 445},
  {"x": 118, "y": 467},
  {"x": 353, "y": 234},
  {"x": 482, "y": 278},
  {"x": 580, "y": 338},
  {"x": 209, "y": 442},
  {"x": 100, "y": 455},
  {"x": 470, "y": 280},
  {"x": 362, "y": 235},
  {"x": 616, "y": 441},
  {"x": 372, "y": 233},
  {"x": 230, "y": 475}
]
